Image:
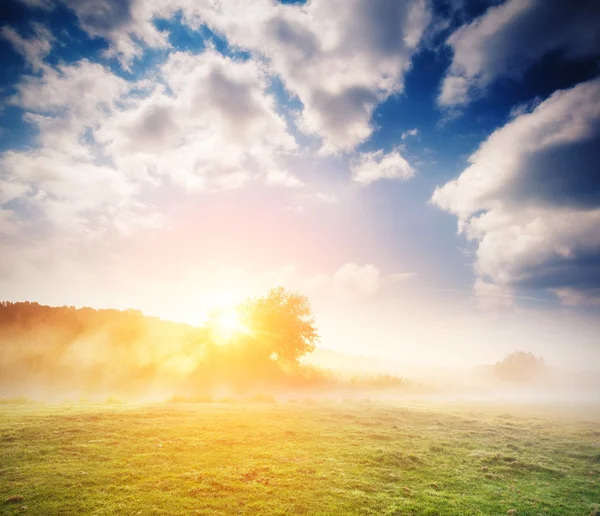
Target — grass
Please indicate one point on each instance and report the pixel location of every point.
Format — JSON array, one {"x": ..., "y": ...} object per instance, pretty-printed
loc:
[{"x": 296, "y": 458}]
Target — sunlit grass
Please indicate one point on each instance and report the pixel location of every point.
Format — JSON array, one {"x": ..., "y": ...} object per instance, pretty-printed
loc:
[{"x": 295, "y": 458}]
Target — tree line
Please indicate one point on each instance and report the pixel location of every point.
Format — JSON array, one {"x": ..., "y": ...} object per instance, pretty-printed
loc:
[{"x": 88, "y": 351}]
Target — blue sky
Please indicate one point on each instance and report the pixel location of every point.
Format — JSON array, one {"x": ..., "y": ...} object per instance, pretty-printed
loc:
[{"x": 419, "y": 169}]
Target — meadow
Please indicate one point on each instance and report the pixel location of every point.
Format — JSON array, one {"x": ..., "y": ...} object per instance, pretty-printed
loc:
[{"x": 298, "y": 457}]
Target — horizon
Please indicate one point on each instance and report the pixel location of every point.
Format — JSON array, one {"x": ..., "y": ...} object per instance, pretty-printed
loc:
[{"x": 333, "y": 360}]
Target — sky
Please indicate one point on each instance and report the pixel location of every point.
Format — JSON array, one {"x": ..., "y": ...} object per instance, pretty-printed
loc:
[{"x": 426, "y": 172}]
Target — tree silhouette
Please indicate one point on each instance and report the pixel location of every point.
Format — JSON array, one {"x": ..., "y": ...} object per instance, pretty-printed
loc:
[{"x": 280, "y": 324}]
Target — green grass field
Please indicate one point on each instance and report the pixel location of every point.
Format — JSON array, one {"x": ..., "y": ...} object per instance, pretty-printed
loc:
[{"x": 297, "y": 458}]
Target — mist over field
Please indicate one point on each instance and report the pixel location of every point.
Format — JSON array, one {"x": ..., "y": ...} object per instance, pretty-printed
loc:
[{"x": 63, "y": 353}]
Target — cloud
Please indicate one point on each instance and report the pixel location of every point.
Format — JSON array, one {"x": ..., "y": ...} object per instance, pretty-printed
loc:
[
  {"x": 45, "y": 5},
  {"x": 409, "y": 133},
  {"x": 34, "y": 49},
  {"x": 84, "y": 92},
  {"x": 205, "y": 122},
  {"x": 573, "y": 297},
  {"x": 62, "y": 180},
  {"x": 215, "y": 127},
  {"x": 401, "y": 277},
  {"x": 357, "y": 280},
  {"x": 349, "y": 281},
  {"x": 372, "y": 166},
  {"x": 326, "y": 198},
  {"x": 340, "y": 58},
  {"x": 510, "y": 37},
  {"x": 124, "y": 23},
  {"x": 530, "y": 197}
]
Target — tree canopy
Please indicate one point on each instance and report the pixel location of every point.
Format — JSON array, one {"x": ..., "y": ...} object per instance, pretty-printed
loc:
[{"x": 280, "y": 324}]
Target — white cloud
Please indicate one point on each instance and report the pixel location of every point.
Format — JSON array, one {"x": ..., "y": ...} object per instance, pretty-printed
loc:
[
  {"x": 350, "y": 281},
  {"x": 372, "y": 166},
  {"x": 63, "y": 177},
  {"x": 339, "y": 57},
  {"x": 205, "y": 122},
  {"x": 510, "y": 37},
  {"x": 357, "y": 280},
  {"x": 216, "y": 128},
  {"x": 401, "y": 277},
  {"x": 409, "y": 133},
  {"x": 84, "y": 92},
  {"x": 33, "y": 49},
  {"x": 327, "y": 198},
  {"x": 530, "y": 197},
  {"x": 123, "y": 23}
]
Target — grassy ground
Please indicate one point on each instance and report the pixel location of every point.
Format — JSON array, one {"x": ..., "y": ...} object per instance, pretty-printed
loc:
[{"x": 296, "y": 458}]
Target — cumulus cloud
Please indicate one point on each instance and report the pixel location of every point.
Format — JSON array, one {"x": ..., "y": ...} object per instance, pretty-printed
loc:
[
  {"x": 123, "y": 23},
  {"x": 206, "y": 122},
  {"x": 62, "y": 177},
  {"x": 216, "y": 127},
  {"x": 339, "y": 57},
  {"x": 33, "y": 49},
  {"x": 530, "y": 197},
  {"x": 357, "y": 280},
  {"x": 83, "y": 93},
  {"x": 372, "y": 166},
  {"x": 510, "y": 37}
]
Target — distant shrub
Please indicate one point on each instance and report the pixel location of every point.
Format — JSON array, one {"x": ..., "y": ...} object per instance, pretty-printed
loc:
[{"x": 519, "y": 366}]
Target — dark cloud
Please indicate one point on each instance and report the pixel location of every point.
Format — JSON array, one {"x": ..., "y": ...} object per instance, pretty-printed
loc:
[
  {"x": 531, "y": 197},
  {"x": 578, "y": 273},
  {"x": 379, "y": 26},
  {"x": 570, "y": 26},
  {"x": 102, "y": 17},
  {"x": 507, "y": 39},
  {"x": 346, "y": 107},
  {"x": 232, "y": 97},
  {"x": 565, "y": 175},
  {"x": 293, "y": 35}
]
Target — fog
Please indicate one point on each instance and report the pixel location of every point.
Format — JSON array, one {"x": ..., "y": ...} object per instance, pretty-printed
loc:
[{"x": 56, "y": 354}]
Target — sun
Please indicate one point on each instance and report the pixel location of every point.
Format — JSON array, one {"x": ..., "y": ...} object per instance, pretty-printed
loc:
[{"x": 226, "y": 323}]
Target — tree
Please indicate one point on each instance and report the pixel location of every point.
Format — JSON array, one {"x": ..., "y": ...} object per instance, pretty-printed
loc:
[
  {"x": 519, "y": 366},
  {"x": 280, "y": 324}
]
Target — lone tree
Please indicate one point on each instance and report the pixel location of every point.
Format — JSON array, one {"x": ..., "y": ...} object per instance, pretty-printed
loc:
[
  {"x": 281, "y": 324},
  {"x": 519, "y": 366}
]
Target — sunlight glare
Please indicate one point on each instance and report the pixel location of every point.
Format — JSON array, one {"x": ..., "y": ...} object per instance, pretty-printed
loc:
[{"x": 226, "y": 323}]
